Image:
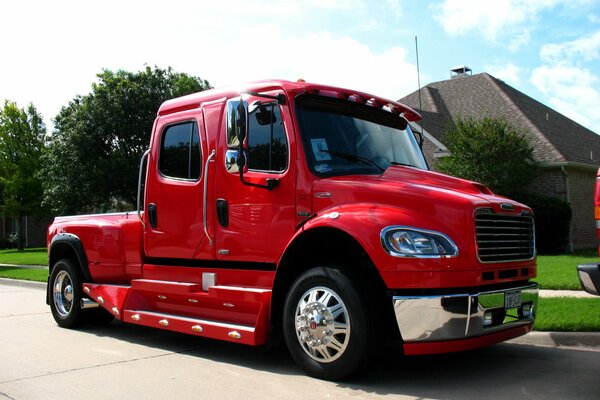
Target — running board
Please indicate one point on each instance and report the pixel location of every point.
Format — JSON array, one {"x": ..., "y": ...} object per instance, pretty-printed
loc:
[
  {"x": 232, "y": 313},
  {"x": 199, "y": 327}
]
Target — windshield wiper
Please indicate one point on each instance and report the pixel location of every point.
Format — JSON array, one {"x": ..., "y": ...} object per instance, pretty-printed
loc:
[
  {"x": 354, "y": 158},
  {"x": 399, "y": 163}
]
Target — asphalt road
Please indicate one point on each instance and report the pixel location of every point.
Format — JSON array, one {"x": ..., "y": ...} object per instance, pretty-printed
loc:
[{"x": 39, "y": 360}]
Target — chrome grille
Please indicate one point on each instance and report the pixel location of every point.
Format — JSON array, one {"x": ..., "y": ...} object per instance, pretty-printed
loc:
[{"x": 503, "y": 237}]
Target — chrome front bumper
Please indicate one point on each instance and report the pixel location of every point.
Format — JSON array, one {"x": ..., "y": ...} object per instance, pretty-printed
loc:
[{"x": 460, "y": 316}]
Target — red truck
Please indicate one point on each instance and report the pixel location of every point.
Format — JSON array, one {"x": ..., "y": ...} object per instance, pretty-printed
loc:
[
  {"x": 589, "y": 274},
  {"x": 306, "y": 213}
]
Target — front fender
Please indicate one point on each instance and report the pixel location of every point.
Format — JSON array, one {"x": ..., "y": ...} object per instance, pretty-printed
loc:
[{"x": 365, "y": 221}]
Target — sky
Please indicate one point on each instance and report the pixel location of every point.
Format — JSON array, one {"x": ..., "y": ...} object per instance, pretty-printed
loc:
[{"x": 548, "y": 49}]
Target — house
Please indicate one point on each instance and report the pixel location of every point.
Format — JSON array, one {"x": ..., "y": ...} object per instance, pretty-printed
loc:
[{"x": 568, "y": 153}]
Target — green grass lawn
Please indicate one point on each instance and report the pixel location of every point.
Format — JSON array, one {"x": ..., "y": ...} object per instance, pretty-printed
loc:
[
  {"x": 35, "y": 256},
  {"x": 560, "y": 272},
  {"x": 562, "y": 314},
  {"x": 26, "y": 274}
]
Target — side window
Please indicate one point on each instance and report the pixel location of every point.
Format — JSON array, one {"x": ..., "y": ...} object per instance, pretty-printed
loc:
[
  {"x": 180, "y": 151},
  {"x": 267, "y": 143}
]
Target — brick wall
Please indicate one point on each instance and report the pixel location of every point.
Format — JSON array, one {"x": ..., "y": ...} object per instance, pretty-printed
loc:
[
  {"x": 577, "y": 187},
  {"x": 583, "y": 226},
  {"x": 550, "y": 182}
]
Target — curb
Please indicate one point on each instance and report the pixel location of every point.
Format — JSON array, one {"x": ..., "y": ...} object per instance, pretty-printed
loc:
[
  {"x": 24, "y": 266},
  {"x": 580, "y": 294},
  {"x": 18, "y": 282},
  {"x": 560, "y": 339}
]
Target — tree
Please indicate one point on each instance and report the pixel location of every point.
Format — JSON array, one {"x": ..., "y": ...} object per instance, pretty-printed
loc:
[
  {"x": 94, "y": 152},
  {"x": 489, "y": 151},
  {"x": 21, "y": 146}
]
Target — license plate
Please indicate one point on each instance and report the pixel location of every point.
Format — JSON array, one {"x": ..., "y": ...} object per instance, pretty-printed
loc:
[{"x": 512, "y": 299}]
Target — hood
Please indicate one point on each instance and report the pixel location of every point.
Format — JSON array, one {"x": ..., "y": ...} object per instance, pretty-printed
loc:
[{"x": 409, "y": 188}]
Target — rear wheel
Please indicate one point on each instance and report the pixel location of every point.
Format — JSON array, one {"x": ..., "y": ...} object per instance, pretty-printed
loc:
[
  {"x": 66, "y": 294},
  {"x": 327, "y": 324}
]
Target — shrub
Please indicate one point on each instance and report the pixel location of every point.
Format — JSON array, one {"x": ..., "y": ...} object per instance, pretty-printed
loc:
[
  {"x": 552, "y": 221},
  {"x": 489, "y": 151}
]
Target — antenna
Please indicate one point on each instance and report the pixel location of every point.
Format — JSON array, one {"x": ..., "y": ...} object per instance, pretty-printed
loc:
[{"x": 420, "y": 104}]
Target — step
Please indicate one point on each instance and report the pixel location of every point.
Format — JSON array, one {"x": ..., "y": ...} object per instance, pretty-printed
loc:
[
  {"x": 111, "y": 297},
  {"x": 217, "y": 313},
  {"x": 199, "y": 327},
  {"x": 239, "y": 305},
  {"x": 166, "y": 287}
]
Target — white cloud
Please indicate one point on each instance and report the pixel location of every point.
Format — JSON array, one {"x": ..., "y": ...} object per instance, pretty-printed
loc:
[
  {"x": 224, "y": 42},
  {"x": 572, "y": 91},
  {"x": 395, "y": 7},
  {"x": 509, "y": 73},
  {"x": 494, "y": 19},
  {"x": 323, "y": 58},
  {"x": 587, "y": 48}
]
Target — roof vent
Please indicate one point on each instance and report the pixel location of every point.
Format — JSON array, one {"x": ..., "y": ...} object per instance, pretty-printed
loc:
[{"x": 460, "y": 70}]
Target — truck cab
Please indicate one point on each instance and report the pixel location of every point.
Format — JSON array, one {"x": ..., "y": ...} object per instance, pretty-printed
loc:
[{"x": 305, "y": 212}]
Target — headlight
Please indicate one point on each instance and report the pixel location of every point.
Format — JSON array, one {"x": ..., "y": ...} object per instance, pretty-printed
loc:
[{"x": 405, "y": 241}]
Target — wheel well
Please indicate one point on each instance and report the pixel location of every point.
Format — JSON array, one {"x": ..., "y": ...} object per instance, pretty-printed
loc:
[
  {"x": 66, "y": 249},
  {"x": 322, "y": 247}
]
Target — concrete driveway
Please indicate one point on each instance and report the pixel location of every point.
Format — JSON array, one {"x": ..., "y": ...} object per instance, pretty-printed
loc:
[{"x": 39, "y": 360}]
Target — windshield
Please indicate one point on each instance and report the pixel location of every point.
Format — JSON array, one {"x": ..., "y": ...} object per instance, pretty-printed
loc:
[{"x": 342, "y": 137}]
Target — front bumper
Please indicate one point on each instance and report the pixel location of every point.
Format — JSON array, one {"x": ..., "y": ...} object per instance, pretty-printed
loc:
[{"x": 425, "y": 321}]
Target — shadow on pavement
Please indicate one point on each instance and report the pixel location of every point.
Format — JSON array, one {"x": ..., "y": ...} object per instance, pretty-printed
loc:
[{"x": 504, "y": 371}]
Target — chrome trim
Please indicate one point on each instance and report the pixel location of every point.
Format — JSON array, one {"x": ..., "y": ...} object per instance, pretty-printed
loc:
[
  {"x": 489, "y": 211},
  {"x": 62, "y": 291},
  {"x": 392, "y": 252},
  {"x": 88, "y": 303},
  {"x": 139, "y": 210},
  {"x": 234, "y": 335},
  {"x": 323, "y": 325},
  {"x": 458, "y": 316},
  {"x": 231, "y": 156},
  {"x": 208, "y": 279},
  {"x": 205, "y": 199}
]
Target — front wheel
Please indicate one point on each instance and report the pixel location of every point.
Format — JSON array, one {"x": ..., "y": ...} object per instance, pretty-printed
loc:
[
  {"x": 66, "y": 294},
  {"x": 327, "y": 324}
]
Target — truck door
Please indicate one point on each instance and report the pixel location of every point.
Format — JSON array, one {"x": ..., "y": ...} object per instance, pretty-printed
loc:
[
  {"x": 173, "y": 209},
  {"x": 254, "y": 223}
]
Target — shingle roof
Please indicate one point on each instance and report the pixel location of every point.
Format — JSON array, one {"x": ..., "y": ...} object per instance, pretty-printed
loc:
[{"x": 554, "y": 137}]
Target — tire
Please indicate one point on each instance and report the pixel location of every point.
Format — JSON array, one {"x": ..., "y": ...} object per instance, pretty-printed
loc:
[
  {"x": 66, "y": 294},
  {"x": 328, "y": 325}
]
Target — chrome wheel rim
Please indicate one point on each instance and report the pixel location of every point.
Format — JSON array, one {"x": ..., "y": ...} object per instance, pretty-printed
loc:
[
  {"x": 322, "y": 324},
  {"x": 62, "y": 292}
]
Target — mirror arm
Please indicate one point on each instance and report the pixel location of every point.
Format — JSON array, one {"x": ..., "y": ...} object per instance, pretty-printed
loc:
[{"x": 272, "y": 183}]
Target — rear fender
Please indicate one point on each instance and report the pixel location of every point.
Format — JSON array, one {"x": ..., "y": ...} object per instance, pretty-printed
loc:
[{"x": 66, "y": 245}]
